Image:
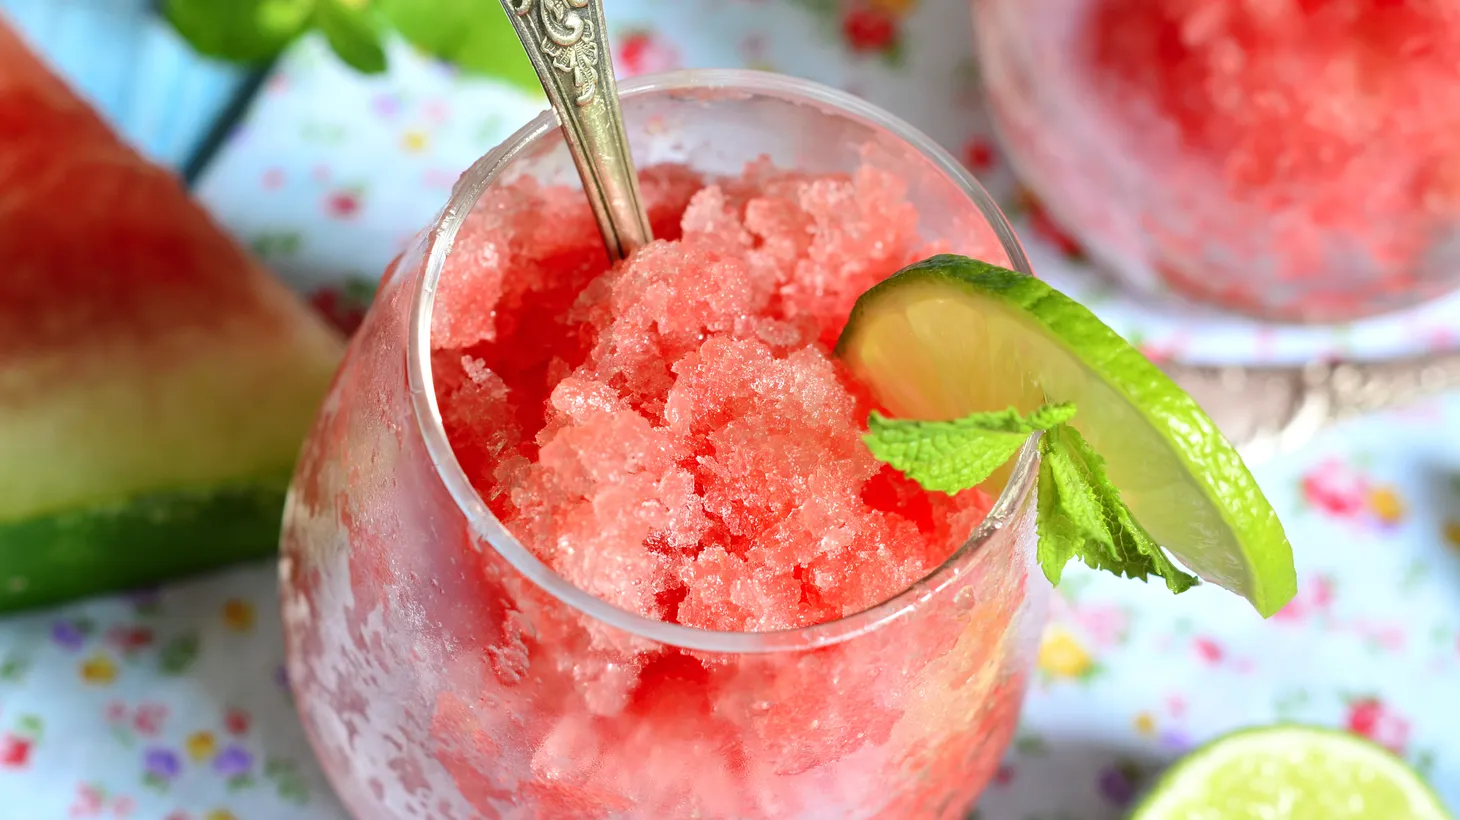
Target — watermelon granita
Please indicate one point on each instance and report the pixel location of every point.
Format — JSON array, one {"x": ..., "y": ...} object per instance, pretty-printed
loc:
[
  {"x": 572, "y": 540},
  {"x": 1292, "y": 159},
  {"x": 673, "y": 436}
]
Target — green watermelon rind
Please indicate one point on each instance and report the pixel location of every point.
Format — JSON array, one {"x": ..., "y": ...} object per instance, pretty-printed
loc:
[{"x": 138, "y": 542}]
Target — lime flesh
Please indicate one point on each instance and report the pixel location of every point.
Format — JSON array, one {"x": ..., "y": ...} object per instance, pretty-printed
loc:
[
  {"x": 952, "y": 336},
  {"x": 1291, "y": 773}
]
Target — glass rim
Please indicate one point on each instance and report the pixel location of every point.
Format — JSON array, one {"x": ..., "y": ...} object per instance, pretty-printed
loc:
[{"x": 484, "y": 524}]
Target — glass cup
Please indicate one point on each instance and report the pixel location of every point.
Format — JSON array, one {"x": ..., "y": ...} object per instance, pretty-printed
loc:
[
  {"x": 1230, "y": 153},
  {"x": 443, "y": 671}
]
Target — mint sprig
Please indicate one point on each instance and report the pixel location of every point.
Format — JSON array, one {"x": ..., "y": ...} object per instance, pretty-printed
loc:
[
  {"x": 353, "y": 32},
  {"x": 951, "y": 456},
  {"x": 243, "y": 31},
  {"x": 473, "y": 34},
  {"x": 1080, "y": 512}
]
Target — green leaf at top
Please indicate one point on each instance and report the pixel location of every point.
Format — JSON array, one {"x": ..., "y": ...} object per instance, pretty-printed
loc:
[
  {"x": 474, "y": 34},
  {"x": 239, "y": 30},
  {"x": 352, "y": 32}
]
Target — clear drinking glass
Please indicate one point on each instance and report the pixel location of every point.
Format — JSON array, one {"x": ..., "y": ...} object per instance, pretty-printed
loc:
[
  {"x": 1294, "y": 162},
  {"x": 438, "y": 665}
]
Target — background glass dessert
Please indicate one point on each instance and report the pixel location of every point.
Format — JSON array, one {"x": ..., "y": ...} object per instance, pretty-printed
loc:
[{"x": 1294, "y": 161}]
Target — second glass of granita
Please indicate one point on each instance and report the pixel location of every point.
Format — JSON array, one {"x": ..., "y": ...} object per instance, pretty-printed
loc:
[
  {"x": 580, "y": 540},
  {"x": 1290, "y": 160}
]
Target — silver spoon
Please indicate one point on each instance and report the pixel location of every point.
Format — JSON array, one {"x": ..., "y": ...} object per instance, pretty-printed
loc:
[
  {"x": 1264, "y": 411},
  {"x": 567, "y": 42},
  {"x": 1267, "y": 411}
]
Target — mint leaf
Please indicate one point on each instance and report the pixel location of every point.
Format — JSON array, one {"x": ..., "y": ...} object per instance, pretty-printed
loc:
[
  {"x": 1109, "y": 537},
  {"x": 474, "y": 34},
  {"x": 1062, "y": 533},
  {"x": 353, "y": 33},
  {"x": 1080, "y": 513},
  {"x": 239, "y": 30},
  {"x": 951, "y": 456}
]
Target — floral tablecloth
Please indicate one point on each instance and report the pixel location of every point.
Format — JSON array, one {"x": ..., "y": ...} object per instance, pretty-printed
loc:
[{"x": 172, "y": 704}]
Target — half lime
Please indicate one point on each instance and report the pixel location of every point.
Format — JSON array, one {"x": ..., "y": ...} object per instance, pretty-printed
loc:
[
  {"x": 952, "y": 336},
  {"x": 1291, "y": 773}
]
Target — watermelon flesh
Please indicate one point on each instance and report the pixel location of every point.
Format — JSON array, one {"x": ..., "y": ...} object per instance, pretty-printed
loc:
[{"x": 155, "y": 381}]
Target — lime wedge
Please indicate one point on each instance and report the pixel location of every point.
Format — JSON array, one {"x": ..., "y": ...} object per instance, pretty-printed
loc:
[
  {"x": 1291, "y": 773},
  {"x": 952, "y": 336}
]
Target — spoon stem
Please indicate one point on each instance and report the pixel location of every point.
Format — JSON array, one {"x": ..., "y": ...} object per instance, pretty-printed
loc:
[
  {"x": 1267, "y": 411},
  {"x": 567, "y": 42}
]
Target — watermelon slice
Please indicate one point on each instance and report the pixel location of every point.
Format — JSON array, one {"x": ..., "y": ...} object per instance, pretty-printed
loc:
[{"x": 155, "y": 381}]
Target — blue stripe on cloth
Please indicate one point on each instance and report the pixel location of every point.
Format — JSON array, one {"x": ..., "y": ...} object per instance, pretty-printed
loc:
[{"x": 124, "y": 59}]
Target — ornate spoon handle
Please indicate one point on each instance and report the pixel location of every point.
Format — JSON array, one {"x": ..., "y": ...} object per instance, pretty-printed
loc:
[
  {"x": 567, "y": 42},
  {"x": 1265, "y": 411}
]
